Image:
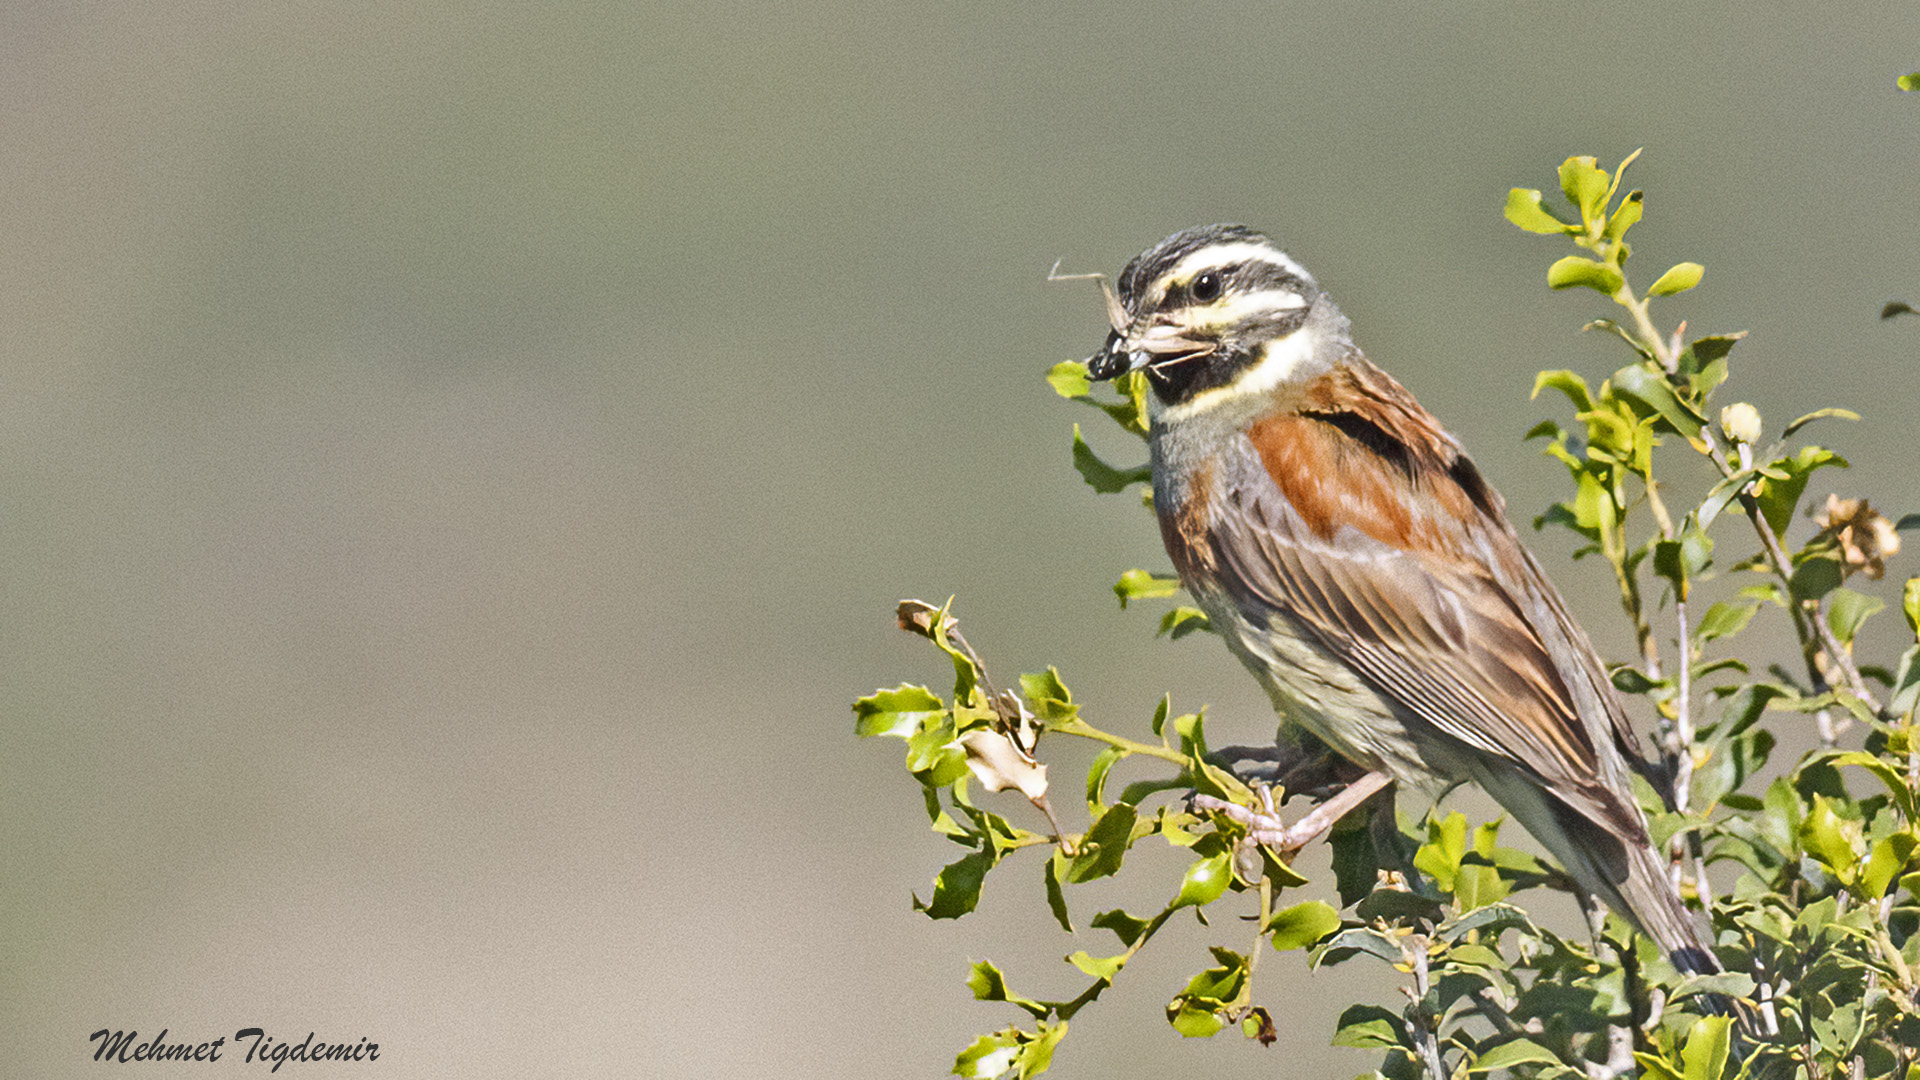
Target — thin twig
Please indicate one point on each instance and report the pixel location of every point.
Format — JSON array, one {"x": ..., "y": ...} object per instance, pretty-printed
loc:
[
  {"x": 1683, "y": 713},
  {"x": 1419, "y": 1022}
]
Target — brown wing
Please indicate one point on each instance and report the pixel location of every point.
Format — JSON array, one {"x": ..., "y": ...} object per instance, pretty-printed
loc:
[{"x": 1356, "y": 515}]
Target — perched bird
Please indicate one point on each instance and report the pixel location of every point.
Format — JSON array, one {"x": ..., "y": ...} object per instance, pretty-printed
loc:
[{"x": 1357, "y": 562}]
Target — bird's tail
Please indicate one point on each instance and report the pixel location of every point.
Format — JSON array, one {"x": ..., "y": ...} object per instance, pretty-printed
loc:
[
  {"x": 1632, "y": 879},
  {"x": 1646, "y": 897},
  {"x": 1625, "y": 872}
]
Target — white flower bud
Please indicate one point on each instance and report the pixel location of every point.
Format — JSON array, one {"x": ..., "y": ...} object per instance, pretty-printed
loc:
[{"x": 1741, "y": 422}]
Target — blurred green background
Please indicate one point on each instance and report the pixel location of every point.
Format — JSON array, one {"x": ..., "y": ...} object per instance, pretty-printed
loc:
[{"x": 459, "y": 461}]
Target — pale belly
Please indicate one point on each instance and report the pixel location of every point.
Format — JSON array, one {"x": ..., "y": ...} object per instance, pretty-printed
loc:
[{"x": 1323, "y": 696}]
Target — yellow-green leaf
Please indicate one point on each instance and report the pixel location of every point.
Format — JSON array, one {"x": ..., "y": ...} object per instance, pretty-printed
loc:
[
  {"x": 1682, "y": 277},
  {"x": 1205, "y": 880},
  {"x": 1585, "y": 185},
  {"x": 1708, "y": 1043},
  {"x": 1303, "y": 924},
  {"x": 1575, "y": 271},
  {"x": 1140, "y": 585},
  {"x": 1517, "y": 1052},
  {"x": 1069, "y": 379},
  {"x": 1524, "y": 209}
]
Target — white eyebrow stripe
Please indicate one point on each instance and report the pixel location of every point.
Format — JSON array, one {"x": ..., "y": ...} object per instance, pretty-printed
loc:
[{"x": 1221, "y": 256}]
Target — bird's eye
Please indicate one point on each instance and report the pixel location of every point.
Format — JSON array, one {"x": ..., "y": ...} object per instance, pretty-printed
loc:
[{"x": 1206, "y": 287}]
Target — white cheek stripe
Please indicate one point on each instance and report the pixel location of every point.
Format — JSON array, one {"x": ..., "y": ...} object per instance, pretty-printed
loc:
[
  {"x": 1279, "y": 361},
  {"x": 1221, "y": 256},
  {"x": 1237, "y": 309}
]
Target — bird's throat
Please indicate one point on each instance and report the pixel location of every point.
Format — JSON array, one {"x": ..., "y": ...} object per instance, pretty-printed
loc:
[{"x": 1233, "y": 374}]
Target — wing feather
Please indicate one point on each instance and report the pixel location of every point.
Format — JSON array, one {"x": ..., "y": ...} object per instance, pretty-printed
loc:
[{"x": 1449, "y": 619}]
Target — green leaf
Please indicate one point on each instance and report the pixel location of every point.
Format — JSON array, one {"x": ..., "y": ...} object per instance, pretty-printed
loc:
[
  {"x": 1069, "y": 379},
  {"x": 1478, "y": 883},
  {"x": 1723, "y": 620},
  {"x": 1100, "y": 967},
  {"x": 1905, "y": 693},
  {"x": 1708, "y": 1042},
  {"x": 1626, "y": 215},
  {"x": 1205, "y": 880},
  {"x": 1910, "y": 604},
  {"x": 1655, "y": 1067},
  {"x": 1446, "y": 845},
  {"x": 1815, "y": 578},
  {"x": 1196, "y": 1013},
  {"x": 1097, "y": 778},
  {"x": 1525, "y": 210},
  {"x": 1139, "y": 584},
  {"x": 1653, "y": 391},
  {"x": 1908, "y": 82},
  {"x": 1705, "y": 350},
  {"x": 1048, "y": 697},
  {"x": 1847, "y": 609},
  {"x": 941, "y": 821},
  {"x": 988, "y": 1057},
  {"x": 1724, "y": 983},
  {"x": 1101, "y": 476},
  {"x": 935, "y": 756},
  {"x": 1192, "y": 731},
  {"x": 1887, "y": 862},
  {"x": 1302, "y": 924},
  {"x": 1586, "y": 186},
  {"x": 1679, "y": 279},
  {"x": 1631, "y": 680},
  {"x": 1367, "y": 1027},
  {"x": 1829, "y": 838},
  {"x": 898, "y": 712},
  {"x": 1518, "y": 1052},
  {"x": 1036, "y": 1056},
  {"x": 1895, "y": 779},
  {"x": 1574, "y": 271},
  {"x": 1195, "y": 1019},
  {"x": 1817, "y": 414},
  {"x": 1057, "y": 896},
  {"x": 1686, "y": 558},
  {"x": 1132, "y": 412},
  {"x": 1779, "y": 498},
  {"x": 1360, "y": 939},
  {"x": 1102, "y": 849},
  {"x": 956, "y": 891},
  {"x": 1160, "y": 713},
  {"x": 1124, "y": 926},
  {"x": 1184, "y": 620},
  {"x": 1704, "y": 361},
  {"x": 988, "y": 984},
  {"x": 1356, "y": 864},
  {"x": 1568, "y": 383},
  {"x": 1594, "y": 510},
  {"x": 1490, "y": 917}
]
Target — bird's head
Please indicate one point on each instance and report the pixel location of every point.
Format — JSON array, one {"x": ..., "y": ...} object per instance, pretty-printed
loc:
[{"x": 1211, "y": 311}]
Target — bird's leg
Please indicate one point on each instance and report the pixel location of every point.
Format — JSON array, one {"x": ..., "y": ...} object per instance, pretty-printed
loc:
[{"x": 1264, "y": 825}]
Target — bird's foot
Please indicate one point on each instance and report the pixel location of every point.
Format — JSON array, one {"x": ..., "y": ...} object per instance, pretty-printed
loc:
[{"x": 1265, "y": 826}]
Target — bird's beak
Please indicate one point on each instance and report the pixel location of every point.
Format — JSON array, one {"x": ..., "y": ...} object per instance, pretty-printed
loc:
[{"x": 1158, "y": 346}]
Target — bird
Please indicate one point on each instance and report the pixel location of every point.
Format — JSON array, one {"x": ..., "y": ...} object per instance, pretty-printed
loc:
[{"x": 1363, "y": 569}]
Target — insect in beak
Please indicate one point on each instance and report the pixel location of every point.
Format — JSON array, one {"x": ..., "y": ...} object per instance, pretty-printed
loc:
[{"x": 1158, "y": 347}]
